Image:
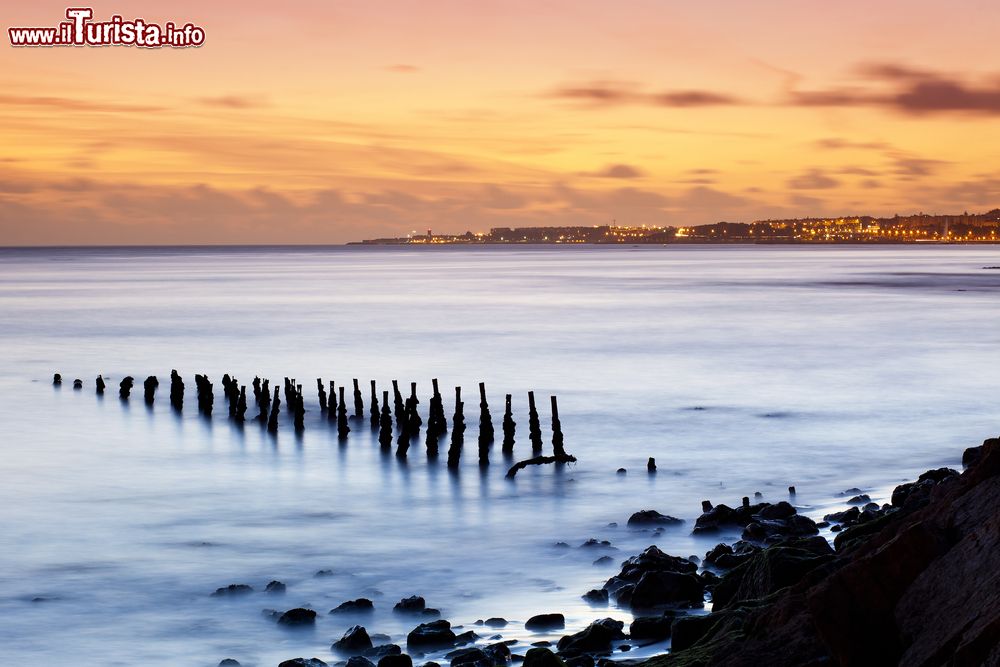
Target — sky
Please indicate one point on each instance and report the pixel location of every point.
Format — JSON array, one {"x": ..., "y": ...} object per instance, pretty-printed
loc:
[{"x": 331, "y": 121}]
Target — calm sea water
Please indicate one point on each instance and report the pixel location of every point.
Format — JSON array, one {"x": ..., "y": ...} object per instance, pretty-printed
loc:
[{"x": 739, "y": 368}]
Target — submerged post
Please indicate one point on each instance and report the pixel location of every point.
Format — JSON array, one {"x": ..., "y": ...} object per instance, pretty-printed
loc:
[
  {"x": 100, "y": 384},
  {"x": 331, "y": 406},
  {"x": 509, "y": 427},
  {"x": 206, "y": 399},
  {"x": 125, "y": 387},
  {"x": 486, "y": 433},
  {"x": 373, "y": 411},
  {"x": 272, "y": 420},
  {"x": 149, "y": 389},
  {"x": 56, "y": 379},
  {"x": 397, "y": 404},
  {"x": 457, "y": 431},
  {"x": 342, "y": 428},
  {"x": 412, "y": 414},
  {"x": 385, "y": 423},
  {"x": 534, "y": 426},
  {"x": 435, "y": 421},
  {"x": 557, "y": 434},
  {"x": 176, "y": 391},
  {"x": 299, "y": 408},
  {"x": 359, "y": 405},
  {"x": 321, "y": 390},
  {"x": 241, "y": 405}
]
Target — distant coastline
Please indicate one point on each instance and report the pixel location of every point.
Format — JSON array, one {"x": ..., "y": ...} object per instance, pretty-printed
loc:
[{"x": 919, "y": 228}]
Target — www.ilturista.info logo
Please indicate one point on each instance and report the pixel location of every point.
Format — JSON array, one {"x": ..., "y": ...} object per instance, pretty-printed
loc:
[{"x": 80, "y": 30}]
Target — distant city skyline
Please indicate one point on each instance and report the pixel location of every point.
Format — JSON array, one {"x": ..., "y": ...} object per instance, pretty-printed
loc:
[{"x": 305, "y": 122}]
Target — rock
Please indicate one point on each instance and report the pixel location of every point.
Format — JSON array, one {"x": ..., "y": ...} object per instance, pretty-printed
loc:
[
  {"x": 298, "y": 616},
  {"x": 382, "y": 650},
  {"x": 359, "y": 606},
  {"x": 354, "y": 641},
  {"x": 604, "y": 560},
  {"x": 770, "y": 570},
  {"x": 303, "y": 662},
  {"x": 596, "y": 596},
  {"x": 542, "y": 622},
  {"x": 622, "y": 471},
  {"x": 860, "y": 499},
  {"x": 594, "y": 543},
  {"x": 359, "y": 661},
  {"x": 232, "y": 590},
  {"x": 848, "y": 516},
  {"x": 652, "y": 518},
  {"x": 595, "y": 638},
  {"x": 323, "y": 573},
  {"x": 466, "y": 637},
  {"x": 542, "y": 657},
  {"x": 658, "y": 589},
  {"x": 495, "y": 622},
  {"x": 653, "y": 561},
  {"x": 435, "y": 633},
  {"x": 651, "y": 465},
  {"x": 401, "y": 660},
  {"x": 275, "y": 588},
  {"x": 229, "y": 662},
  {"x": 655, "y": 628},
  {"x": 471, "y": 657},
  {"x": 582, "y": 660},
  {"x": 411, "y": 605}
]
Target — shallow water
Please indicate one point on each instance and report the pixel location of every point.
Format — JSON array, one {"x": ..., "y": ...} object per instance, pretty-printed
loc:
[{"x": 738, "y": 368}]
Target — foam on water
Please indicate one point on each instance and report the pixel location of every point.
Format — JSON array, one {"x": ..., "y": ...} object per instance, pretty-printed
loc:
[{"x": 738, "y": 368}]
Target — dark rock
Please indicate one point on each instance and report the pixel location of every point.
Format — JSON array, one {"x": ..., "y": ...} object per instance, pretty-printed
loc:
[
  {"x": 595, "y": 638},
  {"x": 652, "y": 518},
  {"x": 582, "y": 660},
  {"x": 860, "y": 499},
  {"x": 543, "y": 622},
  {"x": 543, "y": 642},
  {"x": 495, "y": 622},
  {"x": 470, "y": 657},
  {"x": 354, "y": 641},
  {"x": 275, "y": 587},
  {"x": 771, "y": 570},
  {"x": 658, "y": 589},
  {"x": 359, "y": 661},
  {"x": 848, "y": 516},
  {"x": 604, "y": 560},
  {"x": 971, "y": 456},
  {"x": 411, "y": 605},
  {"x": 401, "y": 660},
  {"x": 323, "y": 573},
  {"x": 466, "y": 637},
  {"x": 542, "y": 657},
  {"x": 655, "y": 628},
  {"x": 232, "y": 589},
  {"x": 359, "y": 606},
  {"x": 303, "y": 662},
  {"x": 298, "y": 616},
  {"x": 622, "y": 471},
  {"x": 594, "y": 543},
  {"x": 431, "y": 612},
  {"x": 435, "y": 633},
  {"x": 596, "y": 596},
  {"x": 382, "y": 650},
  {"x": 229, "y": 662}
]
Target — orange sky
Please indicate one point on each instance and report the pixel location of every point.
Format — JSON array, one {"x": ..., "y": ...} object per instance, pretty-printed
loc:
[{"x": 319, "y": 122}]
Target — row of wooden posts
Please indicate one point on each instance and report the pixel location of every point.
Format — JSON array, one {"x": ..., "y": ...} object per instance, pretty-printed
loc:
[{"x": 400, "y": 424}]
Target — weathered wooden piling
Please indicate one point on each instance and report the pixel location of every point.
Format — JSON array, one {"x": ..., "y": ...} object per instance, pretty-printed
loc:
[
  {"x": 534, "y": 426},
  {"x": 399, "y": 411},
  {"x": 414, "y": 422},
  {"x": 206, "y": 398},
  {"x": 272, "y": 420},
  {"x": 78, "y": 384},
  {"x": 342, "y": 427},
  {"x": 101, "y": 384},
  {"x": 299, "y": 408},
  {"x": 359, "y": 404},
  {"x": 149, "y": 389},
  {"x": 241, "y": 406},
  {"x": 56, "y": 379},
  {"x": 321, "y": 390},
  {"x": 256, "y": 390},
  {"x": 331, "y": 406},
  {"x": 557, "y": 434},
  {"x": 509, "y": 427},
  {"x": 457, "y": 431},
  {"x": 233, "y": 396},
  {"x": 373, "y": 411},
  {"x": 176, "y": 391},
  {"x": 486, "y": 433},
  {"x": 385, "y": 423},
  {"x": 125, "y": 387},
  {"x": 651, "y": 464}
]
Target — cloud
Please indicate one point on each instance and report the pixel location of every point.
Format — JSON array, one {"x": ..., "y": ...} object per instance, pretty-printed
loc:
[
  {"x": 911, "y": 167},
  {"x": 234, "y": 102},
  {"x": 813, "y": 179},
  {"x": 71, "y": 104},
  {"x": 839, "y": 143},
  {"x": 403, "y": 69},
  {"x": 616, "y": 171},
  {"x": 616, "y": 93}
]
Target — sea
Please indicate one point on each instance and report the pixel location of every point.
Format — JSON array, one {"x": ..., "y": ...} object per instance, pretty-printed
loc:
[{"x": 740, "y": 369}]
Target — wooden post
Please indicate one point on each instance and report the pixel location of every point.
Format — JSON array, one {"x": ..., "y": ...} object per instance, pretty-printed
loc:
[
  {"x": 557, "y": 434},
  {"x": 534, "y": 426},
  {"x": 342, "y": 428},
  {"x": 176, "y": 391},
  {"x": 56, "y": 379},
  {"x": 272, "y": 420},
  {"x": 373, "y": 411},
  {"x": 321, "y": 390},
  {"x": 509, "y": 427},
  {"x": 436, "y": 422},
  {"x": 241, "y": 405},
  {"x": 385, "y": 424},
  {"x": 359, "y": 405},
  {"x": 124, "y": 387},
  {"x": 457, "y": 431},
  {"x": 100, "y": 385},
  {"x": 331, "y": 405},
  {"x": 149, "y": 389}
]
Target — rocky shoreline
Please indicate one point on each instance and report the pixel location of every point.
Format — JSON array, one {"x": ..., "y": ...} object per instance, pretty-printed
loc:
[{"x": 911, "y": 582}]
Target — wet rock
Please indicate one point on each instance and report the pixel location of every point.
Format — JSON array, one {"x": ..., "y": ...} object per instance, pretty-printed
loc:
[
  {"x": 848, "y": 516},
  {"x": 659, "y": 589},
  {"x": 433, "y": 634},
  {"x": 232, "y": 590},
  {"x": 56, "y": 379},
  {"x": 275, "y": 588},
  {"x": 542, "y": 622},
  {"x": 411, "y": 605},
  {"x": 651, "y": 465},
  {"x": 466, "y": 637},
  {"x": 431, "y": 612},
  {"x": 378, "y": 652},
  {"x": 596, "y": 596},
  {"x": 354, "y": 641},
  {"x": 656, "y": 590},
  {"x": 604, "y": 560},
  {"x": 595, "y": 638},
  {"x": 772, "y": 530},
  {"x": 582, "y": 660},
  {"x": 655, "y": 628},
  {"x": 469, "y": 657},
  {"x": 78, "y": 384},
  {"x": 860, "y": 499},
  {"x": 229, "y": 662},
  {"x": 401, "y": 660},
  {"x": 297, "y": 616},
  {"x": 652, "y": 518},
  {"x": 303, "y": 662},
  {"x": 359, "y": 661},
  {"x": 543, "y": 642},
  {"x": 771, "y": 570},
  {"x": 495, "y": 622},
  {"x": 359, "y": 606},
  {"x": 542, "y": 657},
  {"x": 622, "y": 471},
  {"x": 726, "y": 557}
]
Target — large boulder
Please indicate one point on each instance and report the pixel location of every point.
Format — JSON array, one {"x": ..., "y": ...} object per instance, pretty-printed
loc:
[
  {"x": 543, "y": 622},
  {"x": 297, "y": 616},
  {"x": 303, "y": 662},
  {"x": 770, "y": 570},
  {"x": 542, "y": 657},
  {"x": 655, "y": 628},
  {"x": 411, "y": 605},
  {"x": 359, "y": 606},
  {"x": 652, "y": 518},
  {"x": 354, "y": 641},
  {"x": 661, "y": 589},
  {"x": 595, "y": 638},
  {"x": 433, "y": 634}
]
